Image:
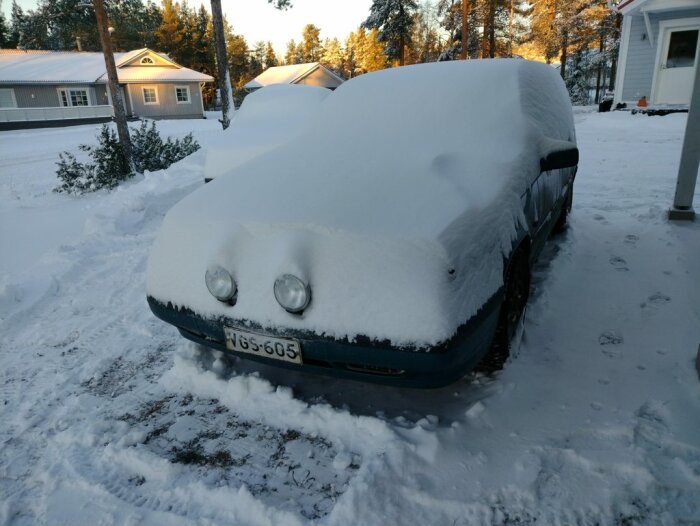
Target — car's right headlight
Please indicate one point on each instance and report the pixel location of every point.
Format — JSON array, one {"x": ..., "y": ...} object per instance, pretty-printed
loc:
[
  {"x": 220, "y": 283},
  {"x": 292, "y": 293}
]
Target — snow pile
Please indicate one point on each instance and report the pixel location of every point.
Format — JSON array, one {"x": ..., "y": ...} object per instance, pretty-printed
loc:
[
  {"x": 267, "y": 118},
  {"x": 424, "y": 175},
  {"x": 110, "y": 417}
]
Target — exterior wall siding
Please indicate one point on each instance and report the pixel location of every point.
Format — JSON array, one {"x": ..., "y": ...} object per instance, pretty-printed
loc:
[
  {"x": 46, "y": 95},
  {"x": 167, "y": 106},
  {"x": 641, "y": 55},
  {"x": 320, "y": 78},
  {"x": 100, "y": 95},
  {"x": 34, "y": 96}
]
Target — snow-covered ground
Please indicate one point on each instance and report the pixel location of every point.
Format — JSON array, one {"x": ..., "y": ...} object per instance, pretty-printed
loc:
[{"x": 109, "y": 417}]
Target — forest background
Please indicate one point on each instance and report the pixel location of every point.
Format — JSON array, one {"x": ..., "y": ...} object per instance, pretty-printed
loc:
[{"x": 580, "y": 37}]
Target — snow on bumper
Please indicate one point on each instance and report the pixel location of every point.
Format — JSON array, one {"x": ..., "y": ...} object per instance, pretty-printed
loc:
[{"x": 384, "y": 289}]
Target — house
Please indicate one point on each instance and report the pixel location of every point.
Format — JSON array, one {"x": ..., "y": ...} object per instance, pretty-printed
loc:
[
  {"x": 311, "y": 74},
  {"x": 59, "y": 88},
  {"x": 658, "y": 51}
]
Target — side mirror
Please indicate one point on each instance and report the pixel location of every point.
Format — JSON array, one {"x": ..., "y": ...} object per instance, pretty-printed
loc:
[{"x": 558, "y": 154}]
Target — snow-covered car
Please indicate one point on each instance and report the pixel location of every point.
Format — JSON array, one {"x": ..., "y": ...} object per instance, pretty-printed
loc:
[
  {"x": 392, "y": 240},
  {"x": 268, "y": 117}
]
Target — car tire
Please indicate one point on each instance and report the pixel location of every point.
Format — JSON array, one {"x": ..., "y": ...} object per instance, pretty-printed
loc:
[
  {"x": 563, "y": 218},
  {"x": 517, "y": 291}
]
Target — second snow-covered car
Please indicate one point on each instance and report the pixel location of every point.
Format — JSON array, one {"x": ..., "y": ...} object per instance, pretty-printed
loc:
[{"x": 392, "y": 239}]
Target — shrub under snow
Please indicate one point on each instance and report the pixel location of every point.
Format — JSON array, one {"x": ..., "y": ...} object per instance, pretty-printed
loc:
[{"x": 108, "y": 167}]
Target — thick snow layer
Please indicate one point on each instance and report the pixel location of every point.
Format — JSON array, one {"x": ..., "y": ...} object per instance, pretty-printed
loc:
[
  {"x": 109, "y": 417},
  {"x": 267, "y": 118},
  {"x": 401, "y": 176},
  {"x": 86, "y": 67}
]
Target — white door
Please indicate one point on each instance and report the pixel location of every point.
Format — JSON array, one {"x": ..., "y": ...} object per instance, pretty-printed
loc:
[{"x": 679, "y": 53}]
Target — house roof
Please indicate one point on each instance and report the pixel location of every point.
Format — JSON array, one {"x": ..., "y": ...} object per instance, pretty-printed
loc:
[
  {"x": 287, "y": 74},
  {"x": 71, "y": 67},
  {"x": 631, "y": 6}
]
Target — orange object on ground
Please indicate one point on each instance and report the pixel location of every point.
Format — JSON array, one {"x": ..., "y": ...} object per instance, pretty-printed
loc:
[{"x": 642, "y": 103}]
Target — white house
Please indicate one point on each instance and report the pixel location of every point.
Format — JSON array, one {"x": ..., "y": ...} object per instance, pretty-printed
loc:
[
  {"x": 310, "y": 74},
  {"x": 658, "y": 51}
]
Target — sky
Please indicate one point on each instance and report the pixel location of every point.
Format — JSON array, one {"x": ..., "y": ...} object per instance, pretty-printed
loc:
[{"x": 257, "y": 20}]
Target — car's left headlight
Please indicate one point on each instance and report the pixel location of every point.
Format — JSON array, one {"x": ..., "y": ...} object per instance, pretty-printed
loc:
[
  {"x": 292, "y": 293},
  {"x": 220, "y": 283}
]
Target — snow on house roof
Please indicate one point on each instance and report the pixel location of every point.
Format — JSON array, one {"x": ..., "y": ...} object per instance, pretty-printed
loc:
[
  {"x": 632, "y": 6},
  {"x": 286, "y": 74},
  {"x": 30, "y": 67}
]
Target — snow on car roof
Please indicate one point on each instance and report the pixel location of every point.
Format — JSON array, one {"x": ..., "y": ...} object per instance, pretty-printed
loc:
[
  {"x": 401, "y": 152},
  {"x": 267, "y": 118}
]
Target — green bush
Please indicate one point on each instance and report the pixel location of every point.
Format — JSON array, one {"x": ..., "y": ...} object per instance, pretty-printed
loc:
[
  {"x": 107, "y": 166},
  {"x": 152, "y": 153}
]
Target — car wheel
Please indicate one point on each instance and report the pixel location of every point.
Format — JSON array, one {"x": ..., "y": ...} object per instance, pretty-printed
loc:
[
  {"x": 517, "y": 291},
  {"x": 560, "y": 225}
]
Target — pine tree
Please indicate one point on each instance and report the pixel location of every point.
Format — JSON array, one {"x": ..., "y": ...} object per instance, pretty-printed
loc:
[
  {"x": 202, "y": 44},
  {"x": 292, "y": 56},
  {"x": 237, "y": 52},
  {"x": 393, "y": 19},
  {"x": 135, "y": 24},
  {"x": 310, "y": 44},
  {"x": 4, "y": 29},
  {"x": 169, "y": 33},
  {"x": 256, "y": 60},
  {"x": 187, "y": 21},
  {"x": 332, "y": 55},
  {"x": 270, "y": 56},
  {"x": 494, "y": 26},
  {"x": 364, "y": 53},
  {"x": 425, "y": 41},
  {"x": 16, "y": 19},
  {"x": 31, "y": 29}
]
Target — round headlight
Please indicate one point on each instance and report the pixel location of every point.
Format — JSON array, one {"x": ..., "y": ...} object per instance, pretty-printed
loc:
[
  {"x": 292, "y": 293},
  {"x": 220, "y": 283}
]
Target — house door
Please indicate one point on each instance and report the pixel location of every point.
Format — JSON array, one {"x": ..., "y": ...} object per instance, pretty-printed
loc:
[{"x": 679, "y": 54}]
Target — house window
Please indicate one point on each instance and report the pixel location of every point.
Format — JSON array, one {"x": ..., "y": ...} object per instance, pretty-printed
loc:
[
  {"x": 74, "y": 97},
  {"x": 681, "y": 49},
  {"x": 147, "y": 61},
  {"x": 7, "y": 98},
  {"x": 182, "y": 94},
  {"x": 150, "y": 95}
]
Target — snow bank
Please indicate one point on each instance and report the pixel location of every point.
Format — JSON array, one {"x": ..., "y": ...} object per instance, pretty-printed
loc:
[
  {"x": 401, "y": 176},
  {"x": 579, "y": 429}
]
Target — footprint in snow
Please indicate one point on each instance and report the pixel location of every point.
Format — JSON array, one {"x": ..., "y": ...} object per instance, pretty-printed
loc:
[
  {"x": 610, "y": 338},
  {"x": 656, "y": 299},
  {"x": 631, "y": 239},
  {"x": 619, "y": 263}
]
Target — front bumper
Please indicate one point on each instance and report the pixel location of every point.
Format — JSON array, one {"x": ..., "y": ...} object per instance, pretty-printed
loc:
[{"x": 363, "y": 359}]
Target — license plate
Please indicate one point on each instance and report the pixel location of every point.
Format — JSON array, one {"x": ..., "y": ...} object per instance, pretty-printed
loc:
[{"x": 284, "y": 349}]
